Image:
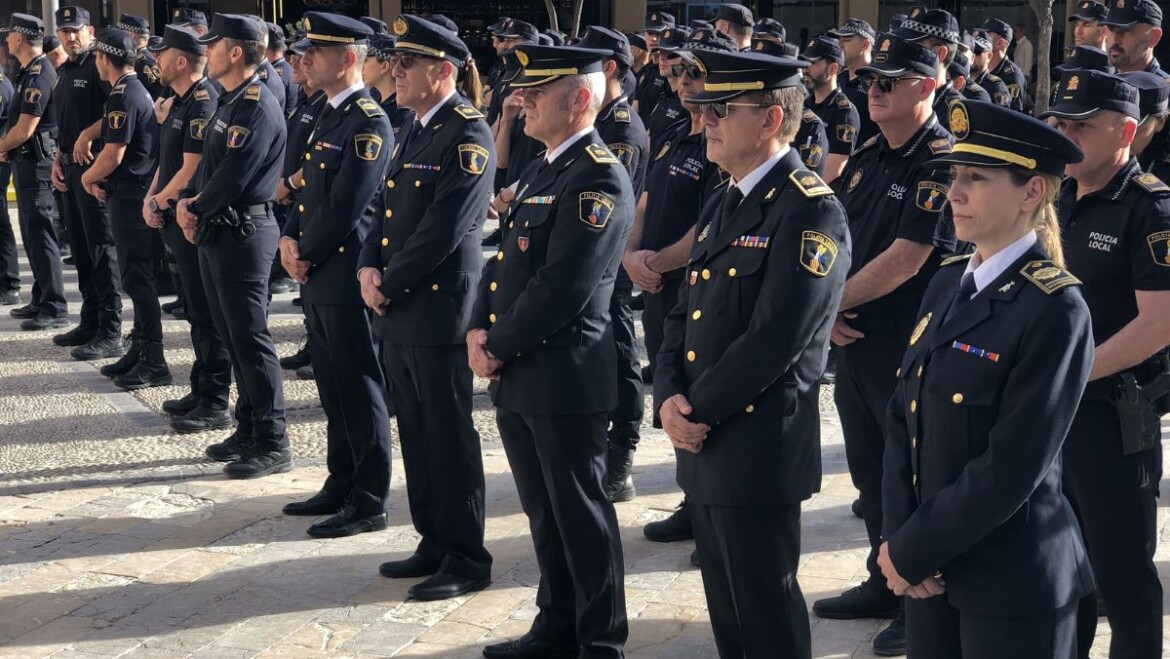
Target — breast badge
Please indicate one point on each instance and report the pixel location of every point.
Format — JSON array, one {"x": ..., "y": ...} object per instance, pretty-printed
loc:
[{"x": 920, "y": 328}]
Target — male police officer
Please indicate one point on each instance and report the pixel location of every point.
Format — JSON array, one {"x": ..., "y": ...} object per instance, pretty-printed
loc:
[
  {"x": 229, "y": 204},
  {"x": 144, "y": 64},
  {"x": 981, "y": 69},
  {"x": 275, "y": 54},
  {"x": 999, "y": 33},
  {"x": 28, "y": 146},
  {"x": 842, "y": 122},
  {"x": 181, "y": 61},
  {"x": 1087, "y": 27},
  {"x": 1132, "y": 29},
  {"x": 1115, "y": 223},
  {"x": 896, "y": 221},
  {"x": 541, "y": 330},
  {"x": 1151, "y": 145},
  {"x": 937, "y": 30},
  {"x": 736, "y": 22}
]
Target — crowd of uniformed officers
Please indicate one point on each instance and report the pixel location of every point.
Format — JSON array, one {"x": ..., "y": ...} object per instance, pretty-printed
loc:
[{"x": 995, "y": 287}]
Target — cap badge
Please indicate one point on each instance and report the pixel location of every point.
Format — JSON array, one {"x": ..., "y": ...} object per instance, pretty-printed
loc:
[
  {"x": 1073, "y": 82},
  {"x": 400, "y": 26},
  {"x": 885, "y": 45},
  {"x": 960, "y": 123},
  {"x": 307, "y": 25},
  {"x": 178, "y": 13},
  {"x": 68, "y": 13},
  {"x": 522, "y": 57},
  {"x": 760, "y": 45},
  {"x": 1121, "y": 4}
]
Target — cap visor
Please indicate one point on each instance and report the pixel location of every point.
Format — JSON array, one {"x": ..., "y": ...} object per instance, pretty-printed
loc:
[
  {"x": 299, "y": 47},
  {"x": 1071, "y": 111},
  {"x": 909, "y": 35},
  {"x": 1124, "y": 26},
  {"x": 972, "y": 159},
  {"x": 71, "y": 25},
  {"x": 714, "y": 97},
  {"x": 158, "y": 48},
  {"x": 887, "y": 72},
  {"x": 210, "y": 37},
  {"x": 1081, "y": 17}
]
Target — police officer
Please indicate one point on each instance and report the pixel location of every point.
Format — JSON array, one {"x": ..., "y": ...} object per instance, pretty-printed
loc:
[
  {"x": 981, "y": 69},
  {"x": 144, "y": 64},
  {"x": 739, "y": 370},
  {"x": 119, "y": 176},
  {"x": 937, "y": 30},
  {"x": 735, "y": 21},
  {"x": 959, "y": 75},
  {"x": 228, "y": 203},
  {"x": 769, "y": 29},
  {"x": 190, "y": 18},
  {"x": 898, "y": 229},
  {"x": 9, "y": 267},
  {"x": 511, "y": 34},
  {"x": 343, "y": 166},
  {"x": 836, "y": 111},
  {"x": 1087, "y": 27},
  {"x": 275, "y": 53},
  {"x": 378, "y": 78},
  {"x": 78, "y": 111},
  {"x": 1115, "y": 223},
  {"x": 540, "y": 329},
  {"x": 1132, "y": 29},
  {"x": 666, "y": 117},
  {"x": 182, "y": 60},
  {"x": 418, "y": 271},
  {"x": 986, "y": 393},
  {"x": 999, "y": 33},
  {"x": 1151, "y": 144},
  {"x": 652, "y": 85},
  {"x": 28, "y": 147},
  {"x": 856, "y": 38}
]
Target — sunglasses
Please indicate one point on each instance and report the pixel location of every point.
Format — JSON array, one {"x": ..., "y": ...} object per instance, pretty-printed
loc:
[
  {"x": 720, "y": 110},
  {"x": 885, "y": 85},
  {"x": 693, "y": 72},
  {"x": 405, "y": 61}
]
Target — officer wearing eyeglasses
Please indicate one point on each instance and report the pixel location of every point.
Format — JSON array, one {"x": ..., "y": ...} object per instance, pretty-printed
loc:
[{"x": 896, "y": 220}]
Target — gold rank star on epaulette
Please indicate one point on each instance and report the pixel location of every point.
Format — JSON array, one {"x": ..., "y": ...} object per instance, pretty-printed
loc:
[
  {"x": 951, "y": 260},
  {"x": 467, "y": 112},
  {"x": 809, "y": 184},
  {"x": 1047, "y": 276},
  {"x": 940, "y": 146},
  {"x": 202, "y": 95},
  {"x": 601, "y": 155},
  {"x": 252, "y": 93}
]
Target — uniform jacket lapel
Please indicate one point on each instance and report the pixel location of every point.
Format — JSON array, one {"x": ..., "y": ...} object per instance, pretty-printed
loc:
[
  {"x": 420, "y": 142},
  {"x": 749, "y": 212},
  {"x": 1003, "y": 289}
]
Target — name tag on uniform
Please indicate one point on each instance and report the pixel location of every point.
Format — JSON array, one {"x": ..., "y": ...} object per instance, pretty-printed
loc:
[
  {"x": 543, "y": 201},
  {"x": 758, "y": 242}
]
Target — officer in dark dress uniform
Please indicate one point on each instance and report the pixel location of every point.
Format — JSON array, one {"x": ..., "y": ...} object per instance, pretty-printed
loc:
[
  {"x": 541, "y": 330},
  {"x": 120, "y": 176},
  {"x": 1151, "y": 145},
  {"x": 181, "y": 137},
  {"x": 739, "y": 370},
  {"x": 976, "y": 530},
  {"x": 9, "y": 266},
  {"x": 343, "y": 165},
  {"x": 1115, "y": 236},
  {"x": 80, "y": 98},
  {"x": 29, "y": 148},
  {"x": 999, "y": 34},
  {"x": 896, "y": 217},
  {"x": 835, "y": 110},
  {"x": 227, "y": 210},
  {"x": 144, "y": 63}
]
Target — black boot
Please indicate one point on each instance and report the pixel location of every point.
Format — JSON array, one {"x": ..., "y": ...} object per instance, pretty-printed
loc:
[
  {"x": 150, "y": 371},
  {"x": 298, "y": 359},
  {"x": 128, "y": 360},
  {"x": 619, "y": 482},
  {"x": 201, "y": 419},
  {"x": 672, "y": 529},
  {"x": 180, "y": 406}
]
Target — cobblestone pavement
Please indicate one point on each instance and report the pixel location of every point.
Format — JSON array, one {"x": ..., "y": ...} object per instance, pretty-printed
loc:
[{"x": 117, "y": 539}]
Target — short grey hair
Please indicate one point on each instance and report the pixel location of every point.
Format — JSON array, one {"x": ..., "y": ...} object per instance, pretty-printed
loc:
[
  {"x": 360, "y": 51},
  {"x": 594, "y": 82}
]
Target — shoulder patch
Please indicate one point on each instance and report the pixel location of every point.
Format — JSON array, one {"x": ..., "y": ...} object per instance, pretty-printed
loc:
[
  {"x": 941, "y": 145},
  {"x": 809, "y": 184},
  {"x": 846, "y": 133},
  {"x": 818, "y": 252},
  {"x": 601, "y": 155},
  {"x": 843, "y": 102},
  {"x": 1160, "y": 247},
  {"x": 198, "y": 128},
  {"x": 809, "y": 116},
  {"x": 1151, "y": 183},
  {"x": 202, "y": 95},
  {"x": 237, "y": 136},
  {"x": 32, "y": 95},
  {"x": 252, "y": 93},
  {"x": 595, "y": 209},
  {"x": 473, "y": 158},
  {"x": 868, "y": 143},
  {"x": 468, "y": 112},
  {"x": 951, "y": 260},
  {"x": 116, "y": 120},
  {"x": 931, "y": 195},
  {"x": 367, "y": 146},
  {"x": 621, "y": 115},
  {"x": 370, "y": 107},
  {"x": 623, "y": 151},
  {"x": 1047, "y": 276}
]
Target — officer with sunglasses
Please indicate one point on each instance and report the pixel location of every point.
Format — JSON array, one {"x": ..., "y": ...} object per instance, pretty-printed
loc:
[
  {"x": 665, "y": 117},
  {"x": 899, "y": 232}
]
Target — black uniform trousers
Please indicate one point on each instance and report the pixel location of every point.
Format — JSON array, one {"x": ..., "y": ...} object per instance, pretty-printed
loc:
[
  {"x": 95, "y": 258},
  {"x": 211, "y": 372},
  {"x": 34, "y": 202},
  {"x": 626, "y": 417},
  {"x": 559, "y": 466},
  {"x": 432, "y": 393},
  {"x": 349, "y": 383},
  {"x": 1115, "y": 497},
  {"x": 9, "y": 265},
  {"x": 658, "y": 305},
  {"x": 937, "y": 630},
  {"x": 865, "y": 383},
  {"x": 139, "y": 249},
  {"x": 235, "y": 277}
]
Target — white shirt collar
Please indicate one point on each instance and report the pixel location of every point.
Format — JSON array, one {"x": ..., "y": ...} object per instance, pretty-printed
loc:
[
  {"x": 552, "y": 156},
  {"x": 336, "y": 101},
  {"x": 756, "y": 175},
  {"x": 989, "y": 270},
  {"x": 426, "y": 118}
]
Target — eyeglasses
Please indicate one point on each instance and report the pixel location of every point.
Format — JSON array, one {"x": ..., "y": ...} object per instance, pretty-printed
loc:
[
  {"x": 885, "y": 85},
  {"x": 720, "y": 110},
  {"x": 693, "y": 72},
  {"x": 405, "y": 61}
]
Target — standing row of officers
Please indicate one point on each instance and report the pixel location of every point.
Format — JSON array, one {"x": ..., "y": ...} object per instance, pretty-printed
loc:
[{"x": 995, "y": 286}]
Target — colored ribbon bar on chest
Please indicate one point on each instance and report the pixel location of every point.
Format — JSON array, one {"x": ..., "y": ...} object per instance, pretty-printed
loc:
[
  {"x": 978, "y": 352},
  {"x": 414, "y": 165},
  {"x": 760, "y": 242},
  {"x": 543, "y": 201}
]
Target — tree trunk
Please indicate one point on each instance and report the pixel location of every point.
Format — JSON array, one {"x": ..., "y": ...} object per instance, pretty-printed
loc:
[
  {"x": 1043, "y": 11},
  {"x": 552, "y": 14},
  {"x": 576, "y": 26}
]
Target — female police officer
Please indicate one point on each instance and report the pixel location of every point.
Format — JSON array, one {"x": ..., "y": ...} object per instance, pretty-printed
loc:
[{"x": 977, "y": 532}]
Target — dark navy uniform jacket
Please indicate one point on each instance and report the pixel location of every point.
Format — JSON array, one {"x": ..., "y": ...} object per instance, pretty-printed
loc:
[
  {"x": 148, "y": 73},
  {"x": 291, "y": 89},
  {"x": 976, "y": 92},
  {"x": 812, "y": 141},
  {"x": 651, "y": 88},
  {"x": 185, "y": 128},
  {"x": 129, "y": 119},
  {"x": 995, "y": 86},
  {"x": 544, "y": 298},
  {"x": 344, "y": 163},
  {"x": 81, "y": 96},
  {"x": 271, "y": 79},
  {"x": 748, "y": 339},
  {"x": 427, "y": 237},
  {"x": 1013, "y": 78},
  {"x": 625, "y": 135},
  {"x": 984, "y": 400},
  {"x": 33, "y": 90},
  {"x": 842, "y": 122},
  {"x": 299, "y": 126},
  {"x": 399, "y": 116},
  {"x": 242, "y": 152}
]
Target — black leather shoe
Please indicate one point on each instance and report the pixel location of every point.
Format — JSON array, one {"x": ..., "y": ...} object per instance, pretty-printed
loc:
[
  {"x": 180, "y": 406},
  {"x": 409, "y": 568},
  {"x": 530, "y": 647},
  {"x": 296, "y": 302},
  {"x": 444, "y": 586},
  {"x": 255, "y": 464},
  {"x": 78, "y": 336},
  {"x": 619, "y": 482},
  {"x": 348, "y": 522},
  {"x": 695, "y": 558},
  {"x": 68, "y": 259},
  {"x": 180, "y": 313},
  {"x": 202, "y": 419},
  {"x": 855, "y": 508},
  {"x": 10, "y": 297},
  {"x": 43, "y": 323},
  {"x": 169, "y": 307},
  {"x": 306, "y": 372},
  {"x": 862, "y": 601},
  {"x": 296, "y": 360},
  {"x": 891, "y": 642},
  {"x": 27, "y": 311},
  {"x": 102, "y": 347},
  {"x": 321, "y": 503},
  {"x": 230, "y": 449},
  {"x": 672, "y": 529}
]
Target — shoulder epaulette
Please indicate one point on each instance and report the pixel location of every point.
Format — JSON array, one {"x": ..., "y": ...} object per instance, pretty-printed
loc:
[
  {"x": 866, "y": 144},
  {"x": 844, "y": 102},
  {"x": 202, "y": 95},
  {"x": 468, "y": 112},
  {"x": 34, "y": 69},
  {"x": 262, "y": 74},
  {"x": 1151, "y": 183},
  {"x": 994, "y": 78},
  {"x": 252, "y": 93},
  {"x": 601, "y": 155},
  {"x": 942, "y": 145},
  {"x": 1047, "y": 276},
  {"x": 809, "y": 116},
  {"x": 371, "y": 107},
  {"x": 621, "y": 115},
  {"x": 809, "y": 184},
  {"x": 951, "y": 260},
  {"x": 118, "y": 89}
]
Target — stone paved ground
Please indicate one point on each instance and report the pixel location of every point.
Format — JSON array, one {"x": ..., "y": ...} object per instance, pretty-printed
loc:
[{"x": 118, "y": 540}]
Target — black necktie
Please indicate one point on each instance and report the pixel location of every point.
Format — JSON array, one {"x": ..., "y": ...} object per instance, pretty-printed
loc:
[
  {"x": 731, "y": 200},
  {"x": 415, "y": 128},
  {"x": 962, "y": 296}
]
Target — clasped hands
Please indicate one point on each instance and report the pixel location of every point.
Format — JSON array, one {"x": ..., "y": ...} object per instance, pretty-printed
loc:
[
  {"x": 683, "y": 433},
  {"x": 931, "y": 587},
  {"x": 482, "y": 362},
  {"x": 294, "y": 265},
  {"x": 371, "y": 281}
]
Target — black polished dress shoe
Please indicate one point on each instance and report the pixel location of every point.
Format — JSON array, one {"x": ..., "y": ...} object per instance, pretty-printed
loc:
[
  {"x": 409, "y": 568},
  {"x": 78, "y": 336},
  {"x": 530, "y": 647},
  {"x": 348, "y": 522},
  {"x": 672, "y": 529},
  {"x": 891, "y": 642},
  {"x": 321, "y": 503},
  {"x": 864, "y": 601},
  {"x": 444, "y": 586}
]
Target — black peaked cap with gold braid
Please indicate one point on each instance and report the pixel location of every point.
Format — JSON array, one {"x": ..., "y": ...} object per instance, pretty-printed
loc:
[
  {"x": 324, "y": 30},
  {"x": 419, "y": 36},
  {"x": 990, "y": 135},
  {"x": 540, "y": 65},
  {"x": 732, "y": 74}
]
